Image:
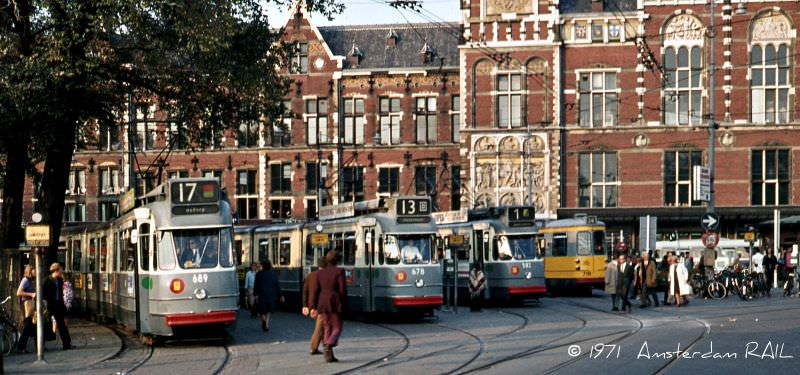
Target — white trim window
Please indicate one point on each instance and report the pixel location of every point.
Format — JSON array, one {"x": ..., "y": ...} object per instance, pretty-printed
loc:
[
  {"x": 388, "y": 180},
  {"x": 213, "y": 173},
  {"x": 682, "y": 85},
  {"x": 316, "y": 118},
  {"x": 390, "y": 114},
  {"x": 76, "y": 184},
  {"x": 145, "y": 128},
  {"x": 678, "y": 166},
  {"x": 282, "y": 131},
  {"x": 108, "y": 177},
  {"x": 425, "y": 119},
  {"x": 298, "y": 58},
  {"x": 247, "y": 134},
  {"x": 354, "y": 121},
  {"x": 108, "y": 137},
  {"x": 598, "y": 99},
  {"x": 180, "y": 173},
  {"x": 770, "y": 177},
  {"x": 509, "y": 100},
  {"x": 280, "y": 208},
  {"x": 769, "y": 83},
  {"x": 246, "y": 194},
  {"x": 597, "y": 179},
  {"x": 74, "y": 212},
  {"x": 455, "y": 118}
]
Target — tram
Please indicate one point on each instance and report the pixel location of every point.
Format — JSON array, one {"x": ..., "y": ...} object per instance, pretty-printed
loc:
[
  {"x": 575, "y": 253},
  {"x": 162, "y": 268},
  {"x": 506, "y": 241}
]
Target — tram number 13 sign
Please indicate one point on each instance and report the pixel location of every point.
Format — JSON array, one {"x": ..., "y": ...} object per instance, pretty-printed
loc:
[{"x": 413, "y": 210}]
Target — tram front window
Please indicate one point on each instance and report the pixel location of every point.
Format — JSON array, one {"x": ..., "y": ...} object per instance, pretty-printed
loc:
[
  {"x": 408, "y": 249},
  {"x": 200, "y": 248},
  {"x": 516, "y": 247}
]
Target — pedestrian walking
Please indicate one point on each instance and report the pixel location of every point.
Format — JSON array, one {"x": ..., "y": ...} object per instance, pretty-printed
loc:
[
  {"x": 770, "y": 263},
  {"x": 310, "y": 289},
  {"x": 666, "y": 264},
  {"x": 328, "y": 302},
  {"x": 611, "y": 283},
  {"x": 477, "y": 284},
  {"x": 54, "y": 295},
  {"x": 678, "y": 282},
  {"x": 249, "y": 284},
  {"x": 624, "y": 281},
  {"x": 267, "y": 291},
  {"x": 647, "y": 275},
  {"x": 27, "y": 294}
]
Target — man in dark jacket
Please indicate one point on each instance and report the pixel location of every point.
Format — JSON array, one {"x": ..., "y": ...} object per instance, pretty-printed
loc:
[
  {"x": 770, "y": 263},
  {"x": 310, "y": 289},
  {"x": 54, "y": 295},
  {"x": 647, "y": 275},
  {"x": 328, "y": 302},
  {"x": 267, "y": 291},
  {"x": 624, "y": 281}
]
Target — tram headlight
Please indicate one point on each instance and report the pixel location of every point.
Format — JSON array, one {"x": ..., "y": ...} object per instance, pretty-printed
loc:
[
  {"x": 528, "y": 275},
  {"x": 514, "y": 270},
  {"x": 176, "y": 286},
  {"x": 400, "y": 276},
  {"x": 200, "y": 294},
  {"x": 420, "y": 283}
]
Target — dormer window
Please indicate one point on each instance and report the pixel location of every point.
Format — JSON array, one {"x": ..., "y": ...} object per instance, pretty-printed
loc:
[
  {"x": 354, "y": 55},
  {"x": 391, "y": 38},
  {"x": 427, "y": 54}
]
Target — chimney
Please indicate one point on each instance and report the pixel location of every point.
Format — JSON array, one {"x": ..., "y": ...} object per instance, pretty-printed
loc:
[
  {"x": 354, "y": 56},
  {"x": 391, "y": 38},
  {"x": 597, "y": 6}
]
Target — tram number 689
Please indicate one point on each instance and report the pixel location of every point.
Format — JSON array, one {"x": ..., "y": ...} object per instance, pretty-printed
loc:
[{"x": 200, "y": 278}]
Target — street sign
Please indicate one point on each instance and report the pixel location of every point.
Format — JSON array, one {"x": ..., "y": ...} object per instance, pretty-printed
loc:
[
  {"x": 319, "y": 239},
  {"x": 702, "y": 184},
  {"x": 709, "y": 221},
  {"x": 749, "y": 236},
  {"x": 622, "y": 247},
  {"x": 710, "y": 239},
  {"x": 647, "y": 232},
  {"x": 37, "y": 235}
]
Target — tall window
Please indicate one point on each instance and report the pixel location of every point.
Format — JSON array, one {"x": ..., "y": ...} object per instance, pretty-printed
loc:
[
  {"x": 390, "y": 113},
  {"x": 177, "y": 136},
  {"x": 353, "y": 184},
  {"x": 389, "y": 180},
  {"x": 425, "y": 180},
  {"x": 280, "y": 208},
  {"x": 597, "y": 179},
  {"x": 509, "y": 100},
  {"x": 107, "y": 210},
  {"x": 177, "y": 174},
  {"x": 354, "y": 121},
  {"x": 316, "y": 121},
  {"x": 247, "y": 134},
  {"x": 108, "y": 179},
  {"x": 311, "y": 208},
  {"x": 246, "y": 194},
  {"x": 598, "y": 99},
  {"x": 298, "y": 58},
  {"x": 145, "y": 182},
  {"x": 76, "y": 184},
  {"x": 315, "y": 172},
  {"x": 74, "y": 211},
  {"x": 145, "y": 128},
  {"x": 455, "y": 188},
  {"x": 682, "y": 103},
  {"x": 213, "y": 173},
  {"x": 282, "y": 130},
  {"x": 280, "y": 178},
  {"x": 425, "y": 119},
  {"x": 770, "y": 177},
  {"x": 678, "y": 166},
  {"x": 108, "y": 137},
  {"x": 770, "y": 84},
  {"x": 455, "y": 118}
]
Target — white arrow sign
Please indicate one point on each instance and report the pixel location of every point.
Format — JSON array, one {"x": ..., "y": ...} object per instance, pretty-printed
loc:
[{"x": 709, "y": 221}]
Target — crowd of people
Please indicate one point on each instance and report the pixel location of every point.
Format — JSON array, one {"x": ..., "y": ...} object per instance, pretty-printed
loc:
[
  {"x": 628, "y": 278},
  {"x": 57, "y": 295}
]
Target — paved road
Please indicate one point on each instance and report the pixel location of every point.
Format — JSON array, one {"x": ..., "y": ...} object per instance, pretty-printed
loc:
[{"x": 566, "y": 335}]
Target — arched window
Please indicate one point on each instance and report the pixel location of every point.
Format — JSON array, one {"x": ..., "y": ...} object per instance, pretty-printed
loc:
[
  {"x": 683, "y": 91},
  {"x": 770, "y": 81}
]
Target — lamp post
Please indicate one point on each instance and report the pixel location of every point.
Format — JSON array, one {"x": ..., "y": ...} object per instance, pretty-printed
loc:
[{"x": 711, "y": 124}]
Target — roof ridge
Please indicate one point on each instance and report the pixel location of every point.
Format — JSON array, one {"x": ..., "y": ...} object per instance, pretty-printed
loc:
[{"x": 388, "y": 26}]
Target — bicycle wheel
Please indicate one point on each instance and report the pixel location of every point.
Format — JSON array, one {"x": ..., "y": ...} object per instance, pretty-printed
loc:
[
  {"x": 745, "y": 292},
  {"x": 9, "y": 340},
  {"x": 716, "y": 290}
]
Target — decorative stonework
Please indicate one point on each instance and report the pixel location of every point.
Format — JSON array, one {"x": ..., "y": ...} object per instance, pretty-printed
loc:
[
  {"x": 508, "y": 6},
  {"x": 684, "y": 28},
  {"x": 773, "y": 26},
  {"x": 538, "y": 66},
  {"x": 509, "y": 145},
  {"x": 484, "y": 67}
]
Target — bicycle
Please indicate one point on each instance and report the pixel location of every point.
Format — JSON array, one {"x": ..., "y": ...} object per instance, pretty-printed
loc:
[
  {"x": 10, "y": 331},
  {"x": 709, "y": 288},
  {"x": 788, "y": 285}
]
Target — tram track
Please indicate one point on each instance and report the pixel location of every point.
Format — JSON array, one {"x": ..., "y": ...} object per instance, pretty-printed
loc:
[{"x": 393, "y": 354}]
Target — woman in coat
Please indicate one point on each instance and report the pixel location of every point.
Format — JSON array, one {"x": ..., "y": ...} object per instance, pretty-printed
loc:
[
  {"x": 267, "y": 291},
  {"x": 328, "y": 301},
  {"x": 611, "y": 282},
  {"x": 678, "y": 282}
]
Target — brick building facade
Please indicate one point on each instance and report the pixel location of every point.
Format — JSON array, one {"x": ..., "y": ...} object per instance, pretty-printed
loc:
[{"x": 570, "y": 106}]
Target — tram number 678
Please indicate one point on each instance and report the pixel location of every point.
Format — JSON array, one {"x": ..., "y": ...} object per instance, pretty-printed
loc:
[
  {"x": 200, "y": 278},
  {"x": 417, "y": 271}
]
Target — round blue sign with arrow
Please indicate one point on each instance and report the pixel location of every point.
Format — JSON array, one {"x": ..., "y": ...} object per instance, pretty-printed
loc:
[{"x": 709, "y": 221}]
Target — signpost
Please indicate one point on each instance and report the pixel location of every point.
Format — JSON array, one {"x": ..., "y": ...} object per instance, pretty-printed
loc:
[
  {"x": 709, "y": 221},
  {"x": 38, "y": 236},
  {"x": 647, "y": 232},
  {"x": 455, "y": 242},
  {"x": 702, "y": 184}
]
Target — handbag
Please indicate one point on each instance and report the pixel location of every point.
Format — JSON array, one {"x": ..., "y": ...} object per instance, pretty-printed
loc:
[{"x": 29, "y": 307}]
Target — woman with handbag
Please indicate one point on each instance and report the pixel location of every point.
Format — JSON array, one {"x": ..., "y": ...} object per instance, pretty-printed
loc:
[{"x": 27, "y": 294}]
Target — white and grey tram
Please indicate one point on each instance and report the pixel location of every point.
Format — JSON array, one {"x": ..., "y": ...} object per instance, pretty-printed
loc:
[
  {"x": 387, "y": 250},
  {"x": 163, "y": 267},
  {"x": 506, "y": 242}
]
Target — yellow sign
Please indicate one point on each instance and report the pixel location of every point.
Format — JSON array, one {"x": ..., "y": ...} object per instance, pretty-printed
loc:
[
  {"x": 749, "y": 236},
  {"x": 127, "y": 201},
  {"x": 37, "y": 235},
  {"x": 455, "y": 239},
  {"x": 319, "y": 239}
]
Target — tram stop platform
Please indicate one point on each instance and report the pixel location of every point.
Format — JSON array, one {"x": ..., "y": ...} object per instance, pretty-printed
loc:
[{"x": 91, "y": 344}]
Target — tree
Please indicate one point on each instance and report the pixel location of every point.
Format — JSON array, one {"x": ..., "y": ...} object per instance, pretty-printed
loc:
[{"x": 69, "y": 65}]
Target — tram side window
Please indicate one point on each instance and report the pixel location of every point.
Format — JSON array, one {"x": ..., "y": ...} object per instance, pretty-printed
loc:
[
  {"x": 584, "y": 243},
  {"x": 156, "y": 240},
  {"x": 274, "y": 255},
  {"x": 285, "y": 251},
  {"x": 349, "y": 248},
  {"x": 263, "y": 251},
  {"x": 391, "y": 250},
  {"x": 166, "y": 256},
  {"x": 77, "y": 253},
  {"x": 599, "y": 242},
  {"x": 225, "y": 255},
  {"x": 92, "y": 255},
  {"x": 103, "y": 254},
  {"x": 559, "y": 244},
  {"x": 144, "y": 248},
  {"x": 308, "y": 256}
]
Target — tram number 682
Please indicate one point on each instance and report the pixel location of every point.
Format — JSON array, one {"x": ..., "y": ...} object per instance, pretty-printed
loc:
[{"x": 200, "y": 278}]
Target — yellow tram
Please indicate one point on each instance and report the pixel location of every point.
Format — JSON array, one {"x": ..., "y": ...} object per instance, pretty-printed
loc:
[{"x": 575, "y": 253}]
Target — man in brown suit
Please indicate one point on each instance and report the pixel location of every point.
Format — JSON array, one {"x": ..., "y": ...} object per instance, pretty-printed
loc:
[
  {"x": 647, "y": 273},
  {"x": 328, "y": 301},
  {"x": 310, "y": 289}
]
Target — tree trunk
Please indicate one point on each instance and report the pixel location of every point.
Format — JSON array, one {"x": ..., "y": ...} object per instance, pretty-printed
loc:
[
  {"x": 54, "y": 183},
  {"x": 13, "y": 194}
]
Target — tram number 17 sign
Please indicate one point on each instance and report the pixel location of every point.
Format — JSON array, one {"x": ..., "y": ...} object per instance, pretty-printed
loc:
[{"x": 413, "y": 210}]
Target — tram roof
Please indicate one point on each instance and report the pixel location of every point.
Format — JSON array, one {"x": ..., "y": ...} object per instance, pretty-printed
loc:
[
  {"x": 387, "y": 221},
  {"x": 278, "y": 227},
  {"x": 498, "y": 225},
  {"x": 572, "y": 222}
]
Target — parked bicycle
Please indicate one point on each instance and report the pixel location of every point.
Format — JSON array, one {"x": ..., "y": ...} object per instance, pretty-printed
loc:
[
  {"x": 788, "y": 285},
  {"x": 10, "y": 331},
  {"x": 708, "y": 288}
]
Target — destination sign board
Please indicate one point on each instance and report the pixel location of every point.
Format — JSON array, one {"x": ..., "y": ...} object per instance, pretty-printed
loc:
[
  {"x": 195, "y": 209},
  {"x": 413, "y": 210},
  {"x": 450, "y": 217},
  {"x": 521, "y": 216},
  {"x": 194, "y": 192}
]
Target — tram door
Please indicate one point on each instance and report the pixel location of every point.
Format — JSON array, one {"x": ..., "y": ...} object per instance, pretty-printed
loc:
[
  {"x": 369, "y": 261},
  {"x": 140, "y": 291}
]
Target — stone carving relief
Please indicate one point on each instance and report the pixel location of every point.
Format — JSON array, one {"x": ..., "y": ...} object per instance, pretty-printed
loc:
[
  {"x": 484, "y": 175},
  {"x": 509, "y": 175},
  {"x": 771, "y": 27},
  {"x": 485, "y": 200},
  {"x": 535, "y": 144},
  {"x": 485, "y": 144},
  {"x": 684, "y": 27},
  {"x": 581, "y": 31},
  {"x": 509, "y": 199},
  {"x": 537, "y": 66},
  {"x": 484, "y": 67},
  {"x": 511, "y": 64},
  {"x": 508, "y": 6},
  {"x": 509, "y": 145},
  {"x": 538, "y": 173}
]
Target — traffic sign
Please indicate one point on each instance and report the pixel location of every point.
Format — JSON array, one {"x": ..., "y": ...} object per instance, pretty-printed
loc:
[
  {"x": 37, "y": 235},
  {"x": 709, "y": 221},
  {"x": 749, "y": 236},
  {"x": 710, "y": 239},
  {"x": 702, "y": 184}
]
